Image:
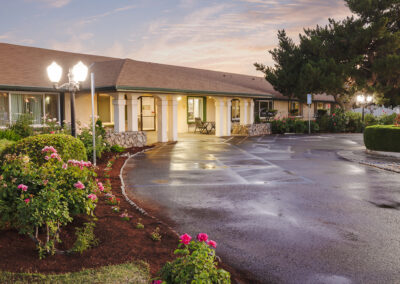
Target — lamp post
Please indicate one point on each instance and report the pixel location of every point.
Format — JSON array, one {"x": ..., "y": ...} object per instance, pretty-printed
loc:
[
  {"x": 363, "y": 101},
  {"x": 76, "y": 75}
]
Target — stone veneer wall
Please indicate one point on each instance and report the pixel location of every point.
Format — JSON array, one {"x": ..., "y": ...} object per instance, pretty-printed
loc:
[
  {"x": 127, "y": 139},
  {"x": 252, "y": 129}
]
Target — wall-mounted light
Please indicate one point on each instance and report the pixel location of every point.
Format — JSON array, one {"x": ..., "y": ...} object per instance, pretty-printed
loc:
[{"x": 179, "y": 98}]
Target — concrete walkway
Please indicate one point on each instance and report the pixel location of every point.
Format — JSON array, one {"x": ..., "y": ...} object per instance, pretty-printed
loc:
[{"x": 287, "y": 208}]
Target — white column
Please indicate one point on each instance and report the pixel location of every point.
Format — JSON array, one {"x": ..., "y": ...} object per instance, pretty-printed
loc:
[
  {"x": 251, "y": 113},
  {"x": 162, "y": 119},
  {"x": 228, "y": 117},
  {"x": 243, "y": 111},
  {"x": 219, "y": 117},
  {"x": 133, "y": 112},
  {"x": 172, "y": 119},
  {"x": 119, "y": 112}
]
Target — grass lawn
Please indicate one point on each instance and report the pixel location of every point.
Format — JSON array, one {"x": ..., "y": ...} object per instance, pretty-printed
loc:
[
  {"x": 133, "y": 272},
  {"x": 4, "y": 143}
]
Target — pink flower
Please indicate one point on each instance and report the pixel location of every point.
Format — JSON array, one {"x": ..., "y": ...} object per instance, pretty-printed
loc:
[
  {"x": 79, "y": 185},
  {"x": 92, "y": 196},
  {"x": 26, "y": 200},
  {"x": 333, "y": 114},
  {"x": 52, "y": 132},
  {"x": 100, "y": 185},
  {"x": 49, "y": 149},
  {"x": 202, "y": 237},
  {"x": 64, "y": 166},
  {"x": 47, "y": 158},
  {"x": 212, "y": 243},
  {"x": 185, "y": 239},
  {"x": 156, "y": 282},
  {"x": 45, "y": 182},
  {"x": 23, "y": 187}
]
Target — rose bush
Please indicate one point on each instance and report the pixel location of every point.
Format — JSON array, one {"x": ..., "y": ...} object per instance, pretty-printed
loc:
[
  {"x": 38, "y": 199},
  {"x": 197, "y": 263}
]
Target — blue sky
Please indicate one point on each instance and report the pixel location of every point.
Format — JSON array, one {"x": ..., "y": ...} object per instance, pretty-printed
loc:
[{"x": 224, "y": 35}]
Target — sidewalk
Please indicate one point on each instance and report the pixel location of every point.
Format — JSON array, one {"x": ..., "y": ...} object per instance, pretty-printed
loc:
[{"x": 381, "y": 162}]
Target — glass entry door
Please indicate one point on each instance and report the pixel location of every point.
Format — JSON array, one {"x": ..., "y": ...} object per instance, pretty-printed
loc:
[{"x": 147, "y": 114}]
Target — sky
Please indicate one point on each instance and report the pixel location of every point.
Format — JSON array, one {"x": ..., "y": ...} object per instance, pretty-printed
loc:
[{"x": 223, "y": 35}]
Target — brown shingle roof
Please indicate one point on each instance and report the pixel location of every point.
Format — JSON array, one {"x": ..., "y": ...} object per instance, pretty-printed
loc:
[{"x": 23, "y": 66}]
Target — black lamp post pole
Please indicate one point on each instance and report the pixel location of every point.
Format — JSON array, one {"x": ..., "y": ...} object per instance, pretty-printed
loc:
[{"x": 73, "y": 124}]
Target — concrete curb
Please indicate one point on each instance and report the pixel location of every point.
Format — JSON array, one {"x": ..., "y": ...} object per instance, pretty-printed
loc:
[
  {"x": 384, "y": 154},
  {"x": 133, "y": 204},
  {"x": 350, "y": 156}
]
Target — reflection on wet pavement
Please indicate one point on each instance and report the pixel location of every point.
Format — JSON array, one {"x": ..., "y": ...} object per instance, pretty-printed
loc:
[{"x": 287, "y": 208}]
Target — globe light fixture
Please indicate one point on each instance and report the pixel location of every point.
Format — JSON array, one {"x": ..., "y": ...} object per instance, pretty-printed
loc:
[
  {"x": 79, "y": 72},
  {"x": 76, "y": 75},
  {"x": 54, "y": 71}
]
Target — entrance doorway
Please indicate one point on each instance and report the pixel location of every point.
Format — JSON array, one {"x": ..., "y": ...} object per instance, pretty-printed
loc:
[{"x": 147, "y": 114}]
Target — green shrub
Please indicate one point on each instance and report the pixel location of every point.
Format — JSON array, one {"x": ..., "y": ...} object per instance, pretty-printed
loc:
[
  {"x": 4, "y": 143},
  {"x": 9, "y": 135},
  {"x": 85, "y": 238},
  {"x": 300, "y": 126},
  {"x": 370, "y": 119},
  {"x": 354, "y": 122},
  {"x": 117, "y": 148},
  {"x": 323, "y": 122},
  {"x": 196, "y": 265},
  {"x": 382, "y": 138},
  {"x": 387, "y": 119},
  {"x": 67, "y": 146},
  {"x": 85, "y": 135},
  {"x": 23, "y": 125},
  {"x": 44, "y": 198}
]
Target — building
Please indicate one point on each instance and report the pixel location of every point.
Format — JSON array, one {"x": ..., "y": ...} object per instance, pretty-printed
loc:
[{"x": 138, "y": 96}]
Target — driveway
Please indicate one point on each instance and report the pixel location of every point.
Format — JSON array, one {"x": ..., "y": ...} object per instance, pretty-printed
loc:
[{"x": 286, "y": 208}]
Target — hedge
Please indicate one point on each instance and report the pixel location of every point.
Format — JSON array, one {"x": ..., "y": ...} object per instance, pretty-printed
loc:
[
  {"x": 382, "y": 138},
  {"x": 67, "y": 146}
]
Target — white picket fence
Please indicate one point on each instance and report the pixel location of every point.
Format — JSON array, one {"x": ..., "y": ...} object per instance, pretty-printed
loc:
[{"x": 378, "y": 110}]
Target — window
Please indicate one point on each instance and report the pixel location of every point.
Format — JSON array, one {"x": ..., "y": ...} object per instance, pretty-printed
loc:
[
  {"x": 235, "y": 110},
  {"x": 4, "y": 110},
  {"x": 264, "y": 107},
  {"x": 195, "y": 109},
  {"x": 51, "y": 106},
  {"x": 35, "y": 105},
  {"x": 295, "y": 109},
  {"x": 27, "y": 104},
  {"x": 322, "y": 106}
]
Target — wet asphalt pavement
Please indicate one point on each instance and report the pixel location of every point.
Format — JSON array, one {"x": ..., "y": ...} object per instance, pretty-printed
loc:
[{"x": 286, "y": 208}]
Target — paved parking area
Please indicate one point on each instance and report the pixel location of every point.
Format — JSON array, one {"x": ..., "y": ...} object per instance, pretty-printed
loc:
[{"x": 287, "y": 208}]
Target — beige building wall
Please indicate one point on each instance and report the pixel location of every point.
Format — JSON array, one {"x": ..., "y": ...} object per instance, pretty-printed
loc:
[
  {"x": 282, "y": 108},
  {"x": 182, "y": 115},
  {"x": 210, "y": 109},
  {"x": 306, "y": 110}
]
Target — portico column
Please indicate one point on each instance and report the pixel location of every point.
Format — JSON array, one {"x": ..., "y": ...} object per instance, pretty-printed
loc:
[
  {"x": 132, "y": 112},
  {"x": 219, "y": 117},
  {"x": 228, "y": 110},
  {"x": 162, "y": 104},
  {"x": 119, "y": 112},
  {"x": 251, "y": 114},
  {"x": 243, "y": 111},
  {"x": 172, "y": 119}
]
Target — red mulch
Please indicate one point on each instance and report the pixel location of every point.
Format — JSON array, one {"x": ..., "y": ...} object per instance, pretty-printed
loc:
[{"x": 120, "y": 241}]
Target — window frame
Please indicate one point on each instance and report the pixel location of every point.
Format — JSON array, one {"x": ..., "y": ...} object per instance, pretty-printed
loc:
[
  {"x": 203, "y": 111},
  {"x": 43, "y": 101},
  {"x": 270, "y": 107},
  {"x": 238, "y": 107}
]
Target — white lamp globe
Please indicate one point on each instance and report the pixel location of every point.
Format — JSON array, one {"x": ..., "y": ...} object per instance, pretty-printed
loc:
[
  {"x": 79, "y": 72},
  {"x": 360, "y": 98},
  {"x": 54, "y": 71},
  {"x": 369, "y": 99}
]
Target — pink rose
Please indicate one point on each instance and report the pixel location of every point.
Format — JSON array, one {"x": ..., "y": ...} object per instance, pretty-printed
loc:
[
  {"x": 202, "y": 237},
  {"x": 64, "y": 166},
  {"x": 185, "y": 239},
  {"x": 26, "y": 200},
  {"x": 23, "y": 187},
  {"x": 92, "y": 196},
  {"x": 100, "y": 186},
  {"x": 52, "y": 132},
  {"x": 156, "y": 282},
  {"x": 45, "y": 182},
  {"x": 212, "y": 243},
  {"x": 79, "y": 185}
]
